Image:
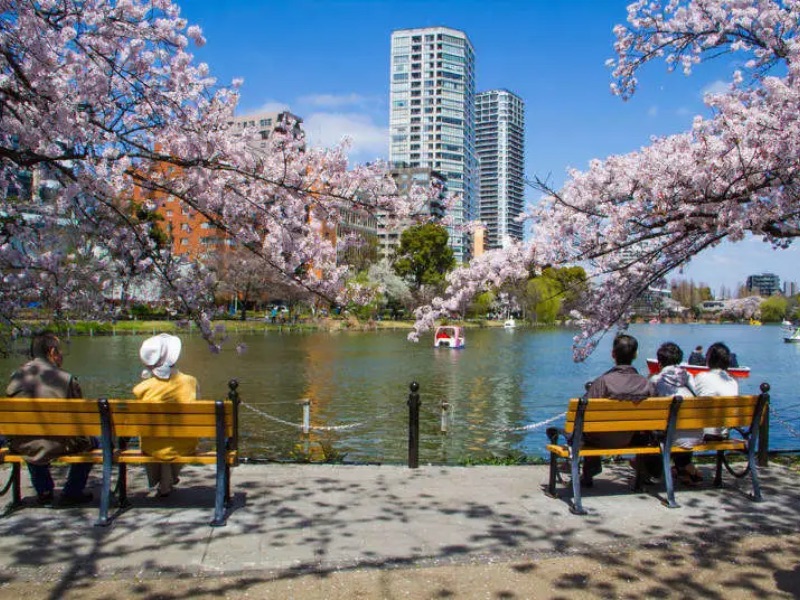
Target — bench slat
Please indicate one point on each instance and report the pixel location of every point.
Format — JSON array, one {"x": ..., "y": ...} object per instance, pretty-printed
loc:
[
  {"x": 623, "y": 415},
  {"x": 135, "y": 457},
  {"x": 202, "y": 407},
  {"x": 50, "y": 429},
  {"x": 145, "y": 420},
  {"x": 166, "y": 430},
  {"x": 35, "y": 418},
  {"x": 46, "y": 405},
  {"x": 722, "y": 421}
]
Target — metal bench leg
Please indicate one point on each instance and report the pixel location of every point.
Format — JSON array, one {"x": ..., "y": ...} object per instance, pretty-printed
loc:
[
  {"x": 718, "y": 472},
  {"x": 227, "y": 485},
  {"x": 577, "y": 505},
  {"x": 219, "y": 503},
  {"x": 16, "y": 491},
  {"x": 223, "y": 483},
  {"x": 669, "y": 484},
  {"x": 551, "y": 484},
  {"x": 751, "y": 458},
  {"x": 122, "y": 486},
  {"x": 105, "y": 497},
  {"x": 106, "y": 445}
]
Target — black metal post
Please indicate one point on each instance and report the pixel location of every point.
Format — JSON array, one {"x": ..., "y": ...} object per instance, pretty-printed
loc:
[
  {"x": 413, "y": 425},
  {"x": 763, "y": 432},
  {"x": 233, "y": 397}
]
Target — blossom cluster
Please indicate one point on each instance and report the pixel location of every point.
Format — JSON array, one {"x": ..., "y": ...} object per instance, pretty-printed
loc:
[{"x": 632, "y": 219}]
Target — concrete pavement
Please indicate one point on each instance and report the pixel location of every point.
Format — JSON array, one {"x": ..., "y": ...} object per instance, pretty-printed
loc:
[{"x": 288, "y": 520}]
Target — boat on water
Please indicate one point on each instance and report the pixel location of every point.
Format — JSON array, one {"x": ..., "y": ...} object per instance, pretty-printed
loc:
[
  {"x": 755, "y": 322},
  {"x": 509, "y": 324},
  {"x": 449, "y": 336},
  {"x": 740, "y": 372},
  {"x": 791, "y": 334}
]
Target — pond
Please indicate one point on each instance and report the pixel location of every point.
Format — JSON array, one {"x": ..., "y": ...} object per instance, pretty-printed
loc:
[{"x": 500, "y": 385}]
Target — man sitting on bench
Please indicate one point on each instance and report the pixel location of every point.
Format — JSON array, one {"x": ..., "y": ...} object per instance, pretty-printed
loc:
[
  {"x": 43, "y": 377},
  {"x": 622, "y": 382}
]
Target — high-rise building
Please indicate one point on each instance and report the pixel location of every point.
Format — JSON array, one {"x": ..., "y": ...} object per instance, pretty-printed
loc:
[
  {"x": 765, "y": 284},
  {"x": 432, "y": 116},
  {"x": 500, "y": 146}
]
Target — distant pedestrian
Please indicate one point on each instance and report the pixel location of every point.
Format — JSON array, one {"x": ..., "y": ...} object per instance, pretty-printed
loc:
[{"x": 697, "y": 358}]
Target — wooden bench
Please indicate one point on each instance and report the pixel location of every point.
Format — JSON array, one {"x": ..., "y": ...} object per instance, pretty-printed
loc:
[
  {"x": 662, "y": 418},
  {"x": 114, "y": 422}
]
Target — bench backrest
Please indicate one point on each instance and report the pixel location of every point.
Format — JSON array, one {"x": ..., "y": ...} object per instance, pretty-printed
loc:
[
  {"x": 134, "y": 418},
  {"x": 652, "y": 414},
  {"x": 606, "y": 415},
  {"x": 716, "y": 411},
  {"x": 49, "y": 417},
  {"x": 130, "y": 418}
]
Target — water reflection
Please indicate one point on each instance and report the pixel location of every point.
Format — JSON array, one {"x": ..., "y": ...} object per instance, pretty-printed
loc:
[{"x": 502, "y": 381}]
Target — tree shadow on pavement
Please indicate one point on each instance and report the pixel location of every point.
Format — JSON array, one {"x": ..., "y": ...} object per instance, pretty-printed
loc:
[{"x": 439, "y": 532}]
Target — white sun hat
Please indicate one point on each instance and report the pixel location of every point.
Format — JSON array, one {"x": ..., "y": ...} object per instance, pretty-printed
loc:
[{"x": 159, "y": 354}]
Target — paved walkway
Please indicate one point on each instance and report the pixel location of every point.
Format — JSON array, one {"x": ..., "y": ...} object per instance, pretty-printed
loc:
[{"x": 291, "y": 520}]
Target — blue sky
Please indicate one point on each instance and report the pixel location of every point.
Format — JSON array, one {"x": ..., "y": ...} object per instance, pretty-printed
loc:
[{"x": 328, "y": 62}]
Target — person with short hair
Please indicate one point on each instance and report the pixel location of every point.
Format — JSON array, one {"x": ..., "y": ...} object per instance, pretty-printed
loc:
[
  {"x": 43, "y": 377},
  {"x": 697, "y": 358},
  {"x": 674, "y": 380},
  {"x": 163, "y": 382},
  {"x": 621, "y": 382}
]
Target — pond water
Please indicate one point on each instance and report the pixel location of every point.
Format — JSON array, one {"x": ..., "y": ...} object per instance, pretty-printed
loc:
[{"x": 358, "y": 383}]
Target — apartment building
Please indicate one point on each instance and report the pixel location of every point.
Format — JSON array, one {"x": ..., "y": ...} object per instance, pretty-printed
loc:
[
  {"x": 500, "y": 146},
  {"x": 432, "y": 116}
]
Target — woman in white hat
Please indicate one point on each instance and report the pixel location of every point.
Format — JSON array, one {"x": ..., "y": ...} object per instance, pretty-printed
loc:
[{"x": 163, "y": 382}]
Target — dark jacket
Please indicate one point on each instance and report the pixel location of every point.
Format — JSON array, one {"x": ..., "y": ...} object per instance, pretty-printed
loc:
[
  {"x": 40, "y": 379},
  {"x": 622, "y": 382}
]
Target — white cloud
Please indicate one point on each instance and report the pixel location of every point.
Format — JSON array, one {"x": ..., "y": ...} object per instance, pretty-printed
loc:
[
  {"x": 334, "y": 100},
  {"x": 368, "y": 139},
  {"x": 268, "y": 106},
  {"x": 652, "y": 111},
  {"x": 716, "y": 87}
]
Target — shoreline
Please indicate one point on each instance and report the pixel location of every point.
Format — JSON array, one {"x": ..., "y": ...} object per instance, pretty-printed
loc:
[{"x": 145, "y": 326}]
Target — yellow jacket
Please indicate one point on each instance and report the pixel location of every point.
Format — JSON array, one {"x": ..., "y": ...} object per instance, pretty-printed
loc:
[{"x": 178, "y": 388}]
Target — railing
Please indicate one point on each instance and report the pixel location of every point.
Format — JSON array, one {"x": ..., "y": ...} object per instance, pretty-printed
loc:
[{"x": 416, "y": 410}]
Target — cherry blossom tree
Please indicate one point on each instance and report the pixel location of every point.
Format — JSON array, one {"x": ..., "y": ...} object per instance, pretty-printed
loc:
[
  {"x": 101, "y": 97},
  {"x": 632, "y": 219}
]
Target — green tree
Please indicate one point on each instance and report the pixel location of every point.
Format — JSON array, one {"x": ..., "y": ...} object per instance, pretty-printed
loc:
[
  {"x": 482, "y": 305},
  {"x": 544, "y": 299},
  {"x": 570, "y": 283},
  {"x": 424, "y": 256},
  {"x": 774, "y": 309}
]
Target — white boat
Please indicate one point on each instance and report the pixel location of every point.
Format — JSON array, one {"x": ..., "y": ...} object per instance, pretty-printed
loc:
[
  {"x": 449, "y": 336},
  {"x": 510, "y": 324},
  {"x": 791, "y": 335}
]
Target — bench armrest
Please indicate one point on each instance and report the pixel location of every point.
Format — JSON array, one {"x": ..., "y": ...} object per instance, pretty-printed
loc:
[{"x": 553, "y": 434}]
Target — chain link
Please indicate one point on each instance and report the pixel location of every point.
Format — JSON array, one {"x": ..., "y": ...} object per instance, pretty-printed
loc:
[
  {"x": 300, "y": 426},
  {"x": 533, "y": 426},
  {"x": 792, "y": 431}
]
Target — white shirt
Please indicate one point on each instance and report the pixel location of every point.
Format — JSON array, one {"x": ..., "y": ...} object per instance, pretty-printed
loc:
[{"x": 715, "y": 382}]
